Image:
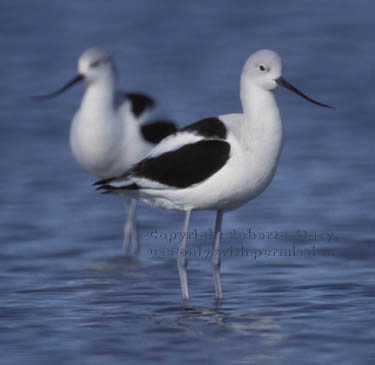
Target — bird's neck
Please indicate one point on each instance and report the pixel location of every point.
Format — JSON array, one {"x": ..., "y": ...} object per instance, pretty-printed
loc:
[
  {"x": 99, "y": 94},
  {"x": 260, "y": 109},
  {"x": 262, "y": 123}
]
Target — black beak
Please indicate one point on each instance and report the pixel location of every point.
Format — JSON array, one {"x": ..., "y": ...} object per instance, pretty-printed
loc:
[
  {"x": 282, "y": 82},
  {"x": 71, "y": 83}
]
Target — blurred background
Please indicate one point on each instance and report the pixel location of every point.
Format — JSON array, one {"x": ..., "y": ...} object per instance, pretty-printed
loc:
[{"x": 66, "y": 293}]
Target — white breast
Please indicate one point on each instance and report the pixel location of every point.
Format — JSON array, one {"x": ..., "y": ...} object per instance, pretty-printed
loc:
[{"x": 95, "y": 141}]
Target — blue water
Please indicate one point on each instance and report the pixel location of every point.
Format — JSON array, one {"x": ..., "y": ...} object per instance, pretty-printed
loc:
[{"x": 298, "y": 262}]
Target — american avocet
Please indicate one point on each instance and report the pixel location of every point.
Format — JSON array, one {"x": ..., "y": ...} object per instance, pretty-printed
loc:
[
  {"x": 216, "y": 163},
  {"x": 112, "y": 130}
]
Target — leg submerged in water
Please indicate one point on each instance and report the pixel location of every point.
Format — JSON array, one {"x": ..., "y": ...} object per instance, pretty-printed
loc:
[
  {"x": 182, "y": 260},
  {"x": 215, "y": 256},
  {"x": 130, "y": 228}
]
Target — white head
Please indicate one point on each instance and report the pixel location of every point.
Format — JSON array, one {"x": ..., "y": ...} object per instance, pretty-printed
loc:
[
  {"x": 95, "y": 64},
  {"x": 263, "y": 69}
]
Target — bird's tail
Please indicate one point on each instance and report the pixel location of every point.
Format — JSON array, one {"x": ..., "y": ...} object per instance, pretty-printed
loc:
[{"x": 116, "y": 184}]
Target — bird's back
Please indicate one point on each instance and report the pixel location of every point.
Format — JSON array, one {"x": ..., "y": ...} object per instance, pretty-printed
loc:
[{"x": 108, "y": 140}]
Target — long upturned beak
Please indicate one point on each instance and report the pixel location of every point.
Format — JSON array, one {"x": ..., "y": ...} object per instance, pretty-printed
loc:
[
  {"x": 71, "y": 83},
  {"x": 282, "y": 82}
]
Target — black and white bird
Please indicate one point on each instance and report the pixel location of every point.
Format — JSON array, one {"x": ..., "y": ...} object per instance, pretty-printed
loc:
[
  {"x": 112, "y": 130},
  {"x": 216, "y": 163}
]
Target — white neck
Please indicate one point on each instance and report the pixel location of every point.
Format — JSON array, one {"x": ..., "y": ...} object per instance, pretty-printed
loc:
[
  {"x": 99, "y": 94},
  {"x": 261, "y": 133},
  {"x": 261, "y": 112}
]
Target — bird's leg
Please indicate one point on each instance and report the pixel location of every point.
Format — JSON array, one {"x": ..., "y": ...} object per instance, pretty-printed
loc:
[
  {"x": 133, "y": 222},
  {"x": 182, "y": 259},
  {"x": 127, "y": 228},
  {"x": 215, "y": 256}
]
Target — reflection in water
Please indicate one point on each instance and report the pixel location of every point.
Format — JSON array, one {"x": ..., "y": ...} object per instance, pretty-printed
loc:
[
  {"x": 262, "y": 335},
  {"x": 130, "y": 264}
]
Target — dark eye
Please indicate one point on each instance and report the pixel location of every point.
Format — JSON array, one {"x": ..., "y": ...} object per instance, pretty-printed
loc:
[
  {"x": 262, "y": 68},
  {"x": 95, "y": 63}
]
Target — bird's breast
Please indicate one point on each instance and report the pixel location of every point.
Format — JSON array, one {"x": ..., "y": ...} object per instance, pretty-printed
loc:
[{"x": 95, "y": 142}]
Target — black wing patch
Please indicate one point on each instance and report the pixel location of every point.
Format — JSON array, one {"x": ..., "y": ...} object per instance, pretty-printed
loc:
[
  {"x": 108, "y": 189},
  {"x": 156, "y": 131},
  {"x": 208, "y": 127},
  {"x": 190, "y": 164},
  {"x": 140, "y": 102}
]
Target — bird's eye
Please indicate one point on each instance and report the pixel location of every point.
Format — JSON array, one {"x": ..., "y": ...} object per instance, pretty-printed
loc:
[
  {"x": 95, "y": 63},
  {"x": 262, "y": 68}
]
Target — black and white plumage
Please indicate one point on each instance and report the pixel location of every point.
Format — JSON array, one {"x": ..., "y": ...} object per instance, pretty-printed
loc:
[
  {"x": 112, "y": 130},
  {"x": 186, "y": 164},
  {"x": 139, "y": 103},
  {"x": 157, "y": 130},
  {"x": 217, "y": 163}
]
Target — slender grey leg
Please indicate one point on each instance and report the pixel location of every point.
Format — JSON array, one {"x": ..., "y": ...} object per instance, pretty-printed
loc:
[
  {"x": 182, "y": 260},
  {"x": 130, "y": 227},
  {"x": 215, "y": 257},
  {"x": 134, "y": 229},
  {"x": 127, "y": 229}
]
